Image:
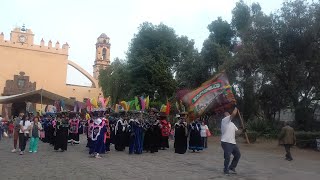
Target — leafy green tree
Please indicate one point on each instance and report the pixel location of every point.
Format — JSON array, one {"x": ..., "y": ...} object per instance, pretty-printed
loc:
[
  {"x": 190, "y": 69},
  {"x": 217, "y": 48},
  {"x": 277, "y": 57},
  {"x": 114, "y": 81},
  {"x": 151, "y": 56}
]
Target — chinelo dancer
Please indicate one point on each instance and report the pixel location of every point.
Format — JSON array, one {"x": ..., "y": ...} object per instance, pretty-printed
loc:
[
  {"x": 108, "y": 133},
  {"x": 195, "y": 143},
  {"x": 74, "y": 125},
  {"x": 181, "y": 134},
  {"x": 136, "y": 133},
  {"x": 61, "y": 132},
  {"x": 165, "y": 131},
  {"x": 120, "y": 135},
  {"x": 97, "y": 131}
]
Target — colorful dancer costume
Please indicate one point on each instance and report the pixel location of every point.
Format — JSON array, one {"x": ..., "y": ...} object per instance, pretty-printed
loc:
[
  {"x": 74, "y": 124},
  {"x": 97, "y": 131}
]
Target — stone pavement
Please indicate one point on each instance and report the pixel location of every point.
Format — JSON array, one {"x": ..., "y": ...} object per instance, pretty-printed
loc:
[{"x": 255, "y": 164}]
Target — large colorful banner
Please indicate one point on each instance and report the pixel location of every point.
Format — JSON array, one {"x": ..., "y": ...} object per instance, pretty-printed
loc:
[{"x": 215, "y": 95}]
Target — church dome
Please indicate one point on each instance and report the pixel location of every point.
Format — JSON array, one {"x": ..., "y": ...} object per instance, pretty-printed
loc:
[{"x": 103, "y": 35}]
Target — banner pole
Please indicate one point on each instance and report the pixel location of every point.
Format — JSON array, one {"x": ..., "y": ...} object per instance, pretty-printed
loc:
[{"x": 245, "y": 134}]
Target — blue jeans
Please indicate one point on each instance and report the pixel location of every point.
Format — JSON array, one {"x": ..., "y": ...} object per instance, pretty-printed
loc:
[{"x": 229, "y": 149}]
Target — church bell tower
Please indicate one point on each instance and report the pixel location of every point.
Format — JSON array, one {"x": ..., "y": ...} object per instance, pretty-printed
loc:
[{"x": 102, "y": 60}]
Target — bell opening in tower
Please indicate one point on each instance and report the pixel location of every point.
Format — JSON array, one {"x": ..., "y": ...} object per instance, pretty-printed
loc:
[{"x": 104, "y": 53}]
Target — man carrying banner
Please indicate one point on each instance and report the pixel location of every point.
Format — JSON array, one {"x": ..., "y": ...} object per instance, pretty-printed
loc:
[
  {"x": 228, "y": 142},
  {"x": 215, "y": 95}
]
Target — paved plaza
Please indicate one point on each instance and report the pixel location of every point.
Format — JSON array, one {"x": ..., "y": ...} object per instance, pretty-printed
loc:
[{"x": 258, "y": 162}]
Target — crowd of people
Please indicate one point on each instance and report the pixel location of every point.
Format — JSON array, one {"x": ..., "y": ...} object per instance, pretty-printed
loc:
[{"x": 141, "y": 132}]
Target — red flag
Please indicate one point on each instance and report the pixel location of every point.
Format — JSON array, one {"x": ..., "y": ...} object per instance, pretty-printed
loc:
[
  {"x": 213, "y": 95},
  {"x": 168, "y": 108}
]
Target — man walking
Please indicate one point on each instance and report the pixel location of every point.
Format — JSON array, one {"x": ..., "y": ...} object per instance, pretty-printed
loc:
[
  {"x": 16, "y": 132},
  {"x": 288, "y": 139},
  {"x": 228, "y": 142}
]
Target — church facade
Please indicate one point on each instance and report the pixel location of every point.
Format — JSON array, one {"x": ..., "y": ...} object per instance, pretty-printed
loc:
[{"x": 26, "y": 66}]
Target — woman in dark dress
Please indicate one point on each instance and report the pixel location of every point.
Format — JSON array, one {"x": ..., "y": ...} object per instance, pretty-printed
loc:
[
  {"x": 195, "y": 142},
  {"x": 120, "y": 135},
  {"x": 147, "y": 136},
  {"x": 62, "y": 128},
  {"x": 180, "y": 137},
  {"x": 155, "y": 137}
]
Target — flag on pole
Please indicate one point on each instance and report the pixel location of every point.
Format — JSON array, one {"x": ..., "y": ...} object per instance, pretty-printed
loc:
[
  {"x": 94, "y": 102},
  {"x": 168, "y": 108},
  {"x": 215, "y": 95},
  {"x": 147, "y": 102},
  {"x": 136, "y": 102},
  {"x": 163, "y": 108},
  {"x": 125, "y": 105},
  {"x": 143, "y": 103}
]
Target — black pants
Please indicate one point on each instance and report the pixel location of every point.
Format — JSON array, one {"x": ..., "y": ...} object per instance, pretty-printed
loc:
[
  {"x": 288, "y": 153},
  {"x": 229, "y": 149},
  {"x": 22, "y": 141}
]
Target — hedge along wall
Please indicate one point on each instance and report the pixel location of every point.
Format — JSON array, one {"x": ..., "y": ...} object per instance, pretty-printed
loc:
[{"x": 307, "y": 139}]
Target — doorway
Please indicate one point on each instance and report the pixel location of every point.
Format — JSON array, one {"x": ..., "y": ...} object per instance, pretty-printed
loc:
[{"x": 18, "y": 107}]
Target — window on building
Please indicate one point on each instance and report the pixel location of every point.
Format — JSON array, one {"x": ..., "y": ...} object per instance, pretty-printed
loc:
[
  {"x": 21, "y": 83},
  {"x": 104, "y": 53}
]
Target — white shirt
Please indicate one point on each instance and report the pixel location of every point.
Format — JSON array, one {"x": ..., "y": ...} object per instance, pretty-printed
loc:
[
  {"x": 228, "y": 131},
  {"x": 27, "y": 124},
  {"x": 203, "y": 131}
]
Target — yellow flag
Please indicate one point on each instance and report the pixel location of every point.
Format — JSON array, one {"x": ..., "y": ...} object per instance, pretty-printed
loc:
[
  {"x": 124, "y": 105},
  {"x": 87, "y": 116},
  {"x": 147, "y": 102},
  {"x": 163, "y": 108},
  {"x": 94, "y": 102}
]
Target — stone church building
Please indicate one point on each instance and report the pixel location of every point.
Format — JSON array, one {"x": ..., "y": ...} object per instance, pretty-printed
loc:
[{"x": 27, "y": 66}]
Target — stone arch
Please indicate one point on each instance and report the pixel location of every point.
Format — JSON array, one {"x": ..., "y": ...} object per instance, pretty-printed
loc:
[{"x": 84, "y": 72}]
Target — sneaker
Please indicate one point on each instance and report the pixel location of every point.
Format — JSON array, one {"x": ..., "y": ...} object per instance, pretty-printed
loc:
[
  {"x": 226, "y": 173},
  {"x": 34, "y": 151},
  {"x": 30, "y": 151},
  {"x": 13, "y": 150},
  {"x": 232, "y": 171},
  {"x": 21, "y": 153}
]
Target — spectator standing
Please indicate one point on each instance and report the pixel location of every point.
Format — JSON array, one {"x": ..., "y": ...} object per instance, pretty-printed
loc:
[{"x": 287, "y": 138}]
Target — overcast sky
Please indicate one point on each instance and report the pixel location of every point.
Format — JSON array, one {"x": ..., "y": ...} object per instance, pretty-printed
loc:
[{"x": 80, "y": 22}]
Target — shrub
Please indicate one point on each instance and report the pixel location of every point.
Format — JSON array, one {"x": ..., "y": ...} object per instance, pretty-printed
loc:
[
  {"x": 216, "y": 132},
  {"x": 307, "y": 139},
  {"x": 264, "y": 128}
]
